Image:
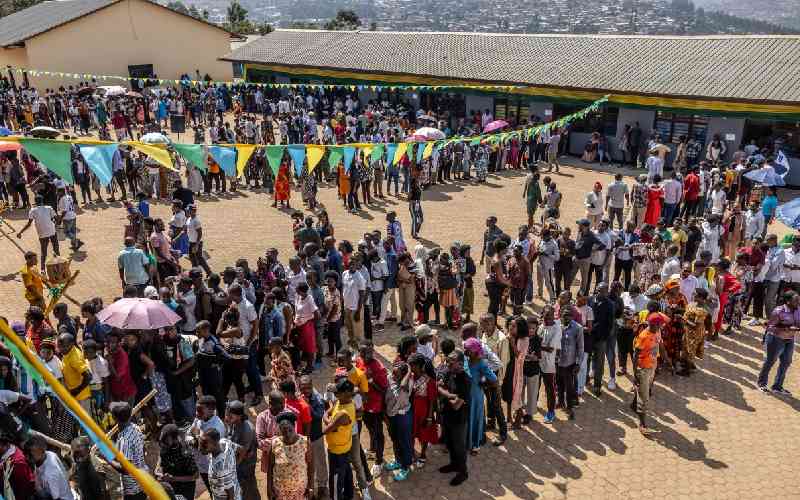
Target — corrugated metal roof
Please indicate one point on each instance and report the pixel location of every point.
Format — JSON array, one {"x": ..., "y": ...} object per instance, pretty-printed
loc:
[
  {"x": 752, "y": 67},
  {"x": 37, "y": 19},
  {"x": 20, "y": 26}
]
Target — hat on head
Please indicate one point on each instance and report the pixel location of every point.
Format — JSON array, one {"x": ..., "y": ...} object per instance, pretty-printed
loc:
[
  {"x": 150, "y": 292},
  {"x": 60, "y": 184},
  {"x": 656, "y": 319},
  {"x": 236, "y": 407},
  {"x": 583, "y": 222},
  {"x": 654, "y": 290},
  {"x": 672, "y": 283},
  {"x": 18, "y": 327},
  {"x": 423, "y": 331}
]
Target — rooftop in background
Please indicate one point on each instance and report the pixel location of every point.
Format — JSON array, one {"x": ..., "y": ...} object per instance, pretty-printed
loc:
[
  {"x": 45, "y": 16},
  {"x": 753, "y": 68}
]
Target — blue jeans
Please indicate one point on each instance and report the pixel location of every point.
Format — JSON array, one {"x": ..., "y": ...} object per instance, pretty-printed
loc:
[
  {"x": 402, "y": 439},
  {"x": 777, "y": 349},
  {"x": 253, "y": 375},
  {"x": 669, "y": 212},
  {"x": 393, "y": 176}
]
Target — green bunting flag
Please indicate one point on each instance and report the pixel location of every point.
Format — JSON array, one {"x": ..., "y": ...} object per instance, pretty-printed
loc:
[
  {"x": 377, "y": 153},
  {"x": 274, "y": 157},
  {"x": 193, "y": 153},
  {"x": 54, "y": 155},
  {"x": 335, "y": 155}
]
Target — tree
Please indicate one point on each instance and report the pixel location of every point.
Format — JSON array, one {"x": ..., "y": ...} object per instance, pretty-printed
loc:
[
  {"x": 345, "y": 20},
  {"x": 236, "y": 14},
  {"x": 178, "y": 6}
]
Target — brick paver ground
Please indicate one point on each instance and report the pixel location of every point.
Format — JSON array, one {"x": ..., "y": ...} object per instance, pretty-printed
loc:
[{"x": 717, "y": 435}]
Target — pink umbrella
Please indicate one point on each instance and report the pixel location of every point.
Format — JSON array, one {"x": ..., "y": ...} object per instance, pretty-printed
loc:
[
  {"x": 495, "y": 125},
  {"x": 9, "y": 146},
  {"x": 138, "y": 314}
]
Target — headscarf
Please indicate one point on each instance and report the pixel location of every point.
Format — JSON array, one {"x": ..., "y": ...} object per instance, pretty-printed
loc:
[{"x": 473, "y": 346}]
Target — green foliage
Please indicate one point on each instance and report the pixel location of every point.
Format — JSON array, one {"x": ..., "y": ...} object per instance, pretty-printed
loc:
[{"x": 345, "y": 20}]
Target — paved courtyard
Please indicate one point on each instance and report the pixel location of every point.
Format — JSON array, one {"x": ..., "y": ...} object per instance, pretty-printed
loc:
[{"x": 717, "y": 435}]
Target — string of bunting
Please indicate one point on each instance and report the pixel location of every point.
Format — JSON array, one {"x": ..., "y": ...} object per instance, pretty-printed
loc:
[
  {"x": 102, "y": 156},
  {"x": 197, "y": 83}
]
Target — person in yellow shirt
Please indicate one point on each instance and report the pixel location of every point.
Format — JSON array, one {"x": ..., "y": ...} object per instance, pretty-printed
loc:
[
  {"x": 75, "y": 370},
  {"x": 33, "y": 282},
  {"x": 344, "y": 359},
  {"x": 679, "y": 237},
  {"x": 338, "y": 429}
]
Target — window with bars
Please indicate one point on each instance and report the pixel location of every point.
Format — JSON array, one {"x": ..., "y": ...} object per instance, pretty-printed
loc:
[
  {"x": 672, "y": 126},
  {"x": 604, "y": 120}
]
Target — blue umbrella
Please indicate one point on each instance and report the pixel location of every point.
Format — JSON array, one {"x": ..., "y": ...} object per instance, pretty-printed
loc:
[
  {"x": 789, "y": 213},
  {"x": 766, "y": 176},
  {"x": 5, "y": 131}
]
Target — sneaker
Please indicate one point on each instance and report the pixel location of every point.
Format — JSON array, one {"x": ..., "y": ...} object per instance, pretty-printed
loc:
[
  {"x": 365, "y": 494},
  {"x": 400, "y": 475},
  {"x": 393, "y": 465},
  {"x": 763, "y": 388},
  {"x": 376, "y": 470},
  {"x": 612, "y": 384},
  {"x": 781, "y": 391},
  {"x": 549, "y": 417}
]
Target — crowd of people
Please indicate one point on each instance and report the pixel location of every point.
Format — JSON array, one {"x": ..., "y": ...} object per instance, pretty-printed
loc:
[{"x": 688, "y": 258}]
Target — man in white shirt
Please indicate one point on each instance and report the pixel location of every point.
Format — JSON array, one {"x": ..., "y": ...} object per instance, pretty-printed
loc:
[
  {"x": 379, "y": 273},
  {"x": 790, "y": 278},
  {"x": 294, "y": 276},
  {"x": 601, "y": 259},
  {"x": 617, "y": 197},
  {"x": 672, "y": 265},
  {"x": 655, "y": 167},
  {"x": 354, "y": 296},
  {"x": 689, "y": 282},
  {"x": 550, "y": 333},
  {"x": 66, "y": 212},
  {"x": 50, "y": 475},
  {"x": 43, "y": 217},
  {"x": 754, "y": 225},
  {"x": 673, "y": 191},
  {"x": 194, "y": 230},
  {"x": 594, "y": 205}
]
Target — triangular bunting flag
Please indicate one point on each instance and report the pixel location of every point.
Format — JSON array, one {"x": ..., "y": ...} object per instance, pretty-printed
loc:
[
  {"x": 315, "y": 153},
  {"x": 156, "y": 153},
  {"x": 225, "y": 157},
  {"x": 335, "y": 155},
  {"x": 53, "y": 154},
  {"x": 274, "y": 157},
  {"x": 391, "y": 149},
  {"x": 298, "y": 154},
  {"x": 420, "y": 153},
  {"x": 367, "y": 149},
  {"x": 377, "y": 153},
  {"x": 401, "y": 150},
  {"x": 349, "y": 154},
  {"x": 410, "y": 151},
  {"x": 100, "y": 160},
  {"x": 244, "y": 152},
  {"x": 193, "y": 153},
  {"x": 428, "y": 151}
]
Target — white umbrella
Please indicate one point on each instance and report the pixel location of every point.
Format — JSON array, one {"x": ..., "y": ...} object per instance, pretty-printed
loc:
[
  {"x": 111, "y": 90},
  {"x": 154, "y": 138},
  {"x": 46, "y": 132},
  {"x": 429, "y": 133}
]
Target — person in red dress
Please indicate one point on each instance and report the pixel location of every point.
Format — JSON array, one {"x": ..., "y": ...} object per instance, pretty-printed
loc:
[
  {"x": 283, "y": 184},
  {"x": 726, "y": 284},
  {"x": 424, "y": 395},
  {"x": 655, "y": 195}
]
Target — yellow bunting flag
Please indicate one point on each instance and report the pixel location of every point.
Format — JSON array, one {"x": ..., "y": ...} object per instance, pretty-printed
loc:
[
  {"x": 401, "y": 150},
  {"x": 314, "y": 153},
  {"x": 155, "y": 152},
  {"x": 367, "y": 149},
  {"x": 428, "y": 151},
  {"x": 245, "y": 152}
]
